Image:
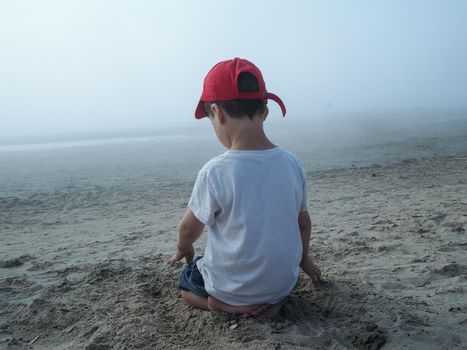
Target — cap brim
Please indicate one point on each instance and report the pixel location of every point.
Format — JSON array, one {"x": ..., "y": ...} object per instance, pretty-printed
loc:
[
  {"x": 278, "y": 101},
  {"x": 200, "y": 112}
]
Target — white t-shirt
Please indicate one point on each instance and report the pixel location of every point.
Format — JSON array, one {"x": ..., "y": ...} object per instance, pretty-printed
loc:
[{"x": 250, "y": 201}]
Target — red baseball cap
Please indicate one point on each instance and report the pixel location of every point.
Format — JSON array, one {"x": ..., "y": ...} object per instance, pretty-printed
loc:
[{"x": 220, "y": 84}]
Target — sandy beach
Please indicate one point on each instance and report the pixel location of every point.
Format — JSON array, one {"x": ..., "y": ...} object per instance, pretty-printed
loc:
[
  {"x": 109, "y": 111},
  {"x": 84, "y": 266}
]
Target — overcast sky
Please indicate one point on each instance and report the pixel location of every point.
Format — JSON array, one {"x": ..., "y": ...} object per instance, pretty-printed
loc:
[{"x": 95, "y": 65}]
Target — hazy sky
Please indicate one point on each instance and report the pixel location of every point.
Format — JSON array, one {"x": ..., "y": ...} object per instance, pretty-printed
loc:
[{"x": 84, "y": 65}]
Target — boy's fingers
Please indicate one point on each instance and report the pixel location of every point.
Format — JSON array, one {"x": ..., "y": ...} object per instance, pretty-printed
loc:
[
  {"x": 313, "y": 279},
  {"x": 316, "y": 280},
  {"x": 315, "y": 275},
  {"x": 174, "y": 259},
  {"x": 171, "y": 261},
  {"x": 179, "y": 255}
]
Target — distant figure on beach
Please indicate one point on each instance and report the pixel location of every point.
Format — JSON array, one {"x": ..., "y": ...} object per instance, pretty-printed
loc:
[{"x": 253, "y": 200}]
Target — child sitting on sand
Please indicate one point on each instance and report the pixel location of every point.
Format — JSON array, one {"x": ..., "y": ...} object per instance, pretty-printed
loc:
[{"x": 252, "y": 198}]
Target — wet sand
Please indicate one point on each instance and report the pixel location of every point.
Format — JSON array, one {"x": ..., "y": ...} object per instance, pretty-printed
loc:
[{"x": 84, "y": 266}]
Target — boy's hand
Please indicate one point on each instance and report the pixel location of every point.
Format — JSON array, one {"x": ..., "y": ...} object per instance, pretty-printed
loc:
[
  {"x": 311, "y": 270},
  {"x": 188, "y": 253},
  {"x": 189, "y": 230}
]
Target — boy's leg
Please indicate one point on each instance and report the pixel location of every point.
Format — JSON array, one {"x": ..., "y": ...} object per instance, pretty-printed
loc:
[
  {"x": 191, "y": 285},
  {"x": 192, "y": 290},
  {"x": 195, "y": 300},
  {"x": 217, "y": 305},
  {"x": 212, "y": 304}
]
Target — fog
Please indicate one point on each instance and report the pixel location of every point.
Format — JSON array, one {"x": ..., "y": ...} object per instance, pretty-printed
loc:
[{"x": 81, "y": 66}]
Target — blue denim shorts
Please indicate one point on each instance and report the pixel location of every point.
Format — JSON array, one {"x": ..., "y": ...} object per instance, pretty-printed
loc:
[{"x": 191, "y": 280}]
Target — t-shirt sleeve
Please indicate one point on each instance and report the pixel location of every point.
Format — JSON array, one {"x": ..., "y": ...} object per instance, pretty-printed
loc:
[
  {"x": 304, "y": 205},
  {"x": 203, "y": 202}
]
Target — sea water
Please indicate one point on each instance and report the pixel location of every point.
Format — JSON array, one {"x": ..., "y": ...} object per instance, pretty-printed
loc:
[{"x": 167, "y": 156}]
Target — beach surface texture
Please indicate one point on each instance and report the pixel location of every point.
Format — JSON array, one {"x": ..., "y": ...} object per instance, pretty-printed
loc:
[{"x": 84, "y": 266}]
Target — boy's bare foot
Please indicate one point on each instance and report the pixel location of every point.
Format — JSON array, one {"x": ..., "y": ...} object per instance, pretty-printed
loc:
[
  {"x": 217, "y": 305},
  {"x": 268, "y": 311},
  {"x": 265, "y": 311}
]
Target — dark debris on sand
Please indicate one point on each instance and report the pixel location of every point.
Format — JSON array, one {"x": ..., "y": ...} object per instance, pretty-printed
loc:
[{"x": 15, "y": 262}]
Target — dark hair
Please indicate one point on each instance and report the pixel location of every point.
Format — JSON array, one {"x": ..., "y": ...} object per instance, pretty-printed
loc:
[{"x": 247, "y": 82}]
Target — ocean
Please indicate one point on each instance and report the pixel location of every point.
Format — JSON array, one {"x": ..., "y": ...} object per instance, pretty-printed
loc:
[{"x": 174, "y": 155}]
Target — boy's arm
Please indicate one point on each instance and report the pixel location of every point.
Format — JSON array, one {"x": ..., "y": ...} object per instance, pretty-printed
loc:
[
  {"x": 189, "y": 230},
  {"x": 304, "y": 223}
]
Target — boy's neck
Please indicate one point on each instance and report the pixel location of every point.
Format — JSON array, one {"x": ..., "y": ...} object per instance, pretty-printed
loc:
[
  {"x": 249, "y": 135},
  {"x": 252, "y": 146}
]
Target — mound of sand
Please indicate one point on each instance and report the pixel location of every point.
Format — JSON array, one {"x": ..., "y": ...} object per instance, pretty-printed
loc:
[{"x": 121, "y": 304}]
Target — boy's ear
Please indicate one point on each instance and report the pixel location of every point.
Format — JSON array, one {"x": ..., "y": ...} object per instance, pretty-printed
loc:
[
  {"x": 218, "y": 113},
  {"x": 266, "y": 113}
]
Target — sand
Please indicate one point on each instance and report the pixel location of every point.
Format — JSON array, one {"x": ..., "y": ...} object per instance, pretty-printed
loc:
[{"x": 84, "y": 267}]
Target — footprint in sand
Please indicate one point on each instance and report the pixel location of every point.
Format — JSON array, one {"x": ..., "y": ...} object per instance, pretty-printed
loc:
[
  {"x": 15, "y": 262},
  {"x": 452, "y": 246},
  {"x": 446, "y": 271}
]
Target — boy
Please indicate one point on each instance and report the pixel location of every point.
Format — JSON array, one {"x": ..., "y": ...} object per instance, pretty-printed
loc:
[{"x": 253, "y": 200}]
